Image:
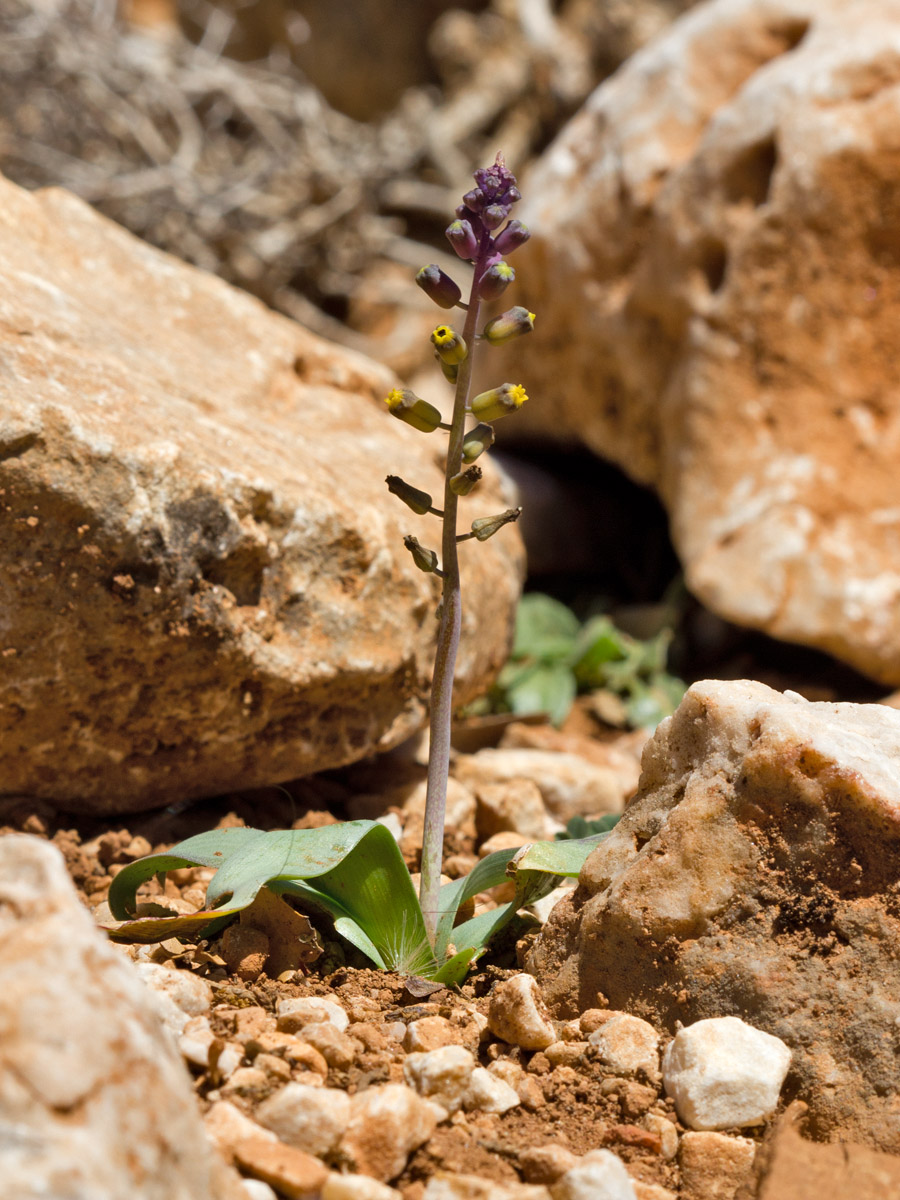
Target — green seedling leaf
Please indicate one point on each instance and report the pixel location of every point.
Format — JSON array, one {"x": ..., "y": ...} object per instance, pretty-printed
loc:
[
  {"x": 549, "y": 689},
  {"x": 578, "y": 827},
  {"x": 540, "y": 619},
  {"x": 598, "y": 643}
]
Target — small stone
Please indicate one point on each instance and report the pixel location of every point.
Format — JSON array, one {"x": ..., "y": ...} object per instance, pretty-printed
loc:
[
  {"x": 651, "y": 1191},
  {"x": 430, "y": 1033},
  {"x": 635, "y": 1098},
  {"x": 518, "y": 1015},
  {"x": 292, "y": 1173},
  {"x": 665, "y": 1131},
  {"x": 488, "y": 1093},
  {"x": 337, "y": 1048},
  {"x": 274, "y": 1067},
  {"x": 569, "y": 784},
  {"x": 228, "y": 1061},
  {"x": 627, "y": 1045},
  {"x": 714, "y": 1165},
  {"x": 309, "y": 1118},
  {"x": 591, "y": 1020},
  {"x": 245, "y": 950},
  {"x": 387, "y": 1123},
  {"x": 546, "y": 1164},
  {"x": 177, "y": 995},
  {"x": 722, "y": 1073},
  {"x": 357, "y": 1187},
  {"x": 294, "y": 1014},
  {"x": 255, "y": 1189},
  {"x": 250, "y": 1022},
  {"x": 502, "y": 841},
  {"x": 544, "y": 907},
  {"x": 227, "y": 1125},
  {"x": 246, "y": 1081},
  {"x": 442, "y": 1075},
  {"x": 444, "y": 1186},
  {"x": 530, "y": 1093},
  {"x": 195, "y": 1042},
  {"x": 565, "y": 1054},
  {"x": 599, "y": 1175},
  {"x": 306, "y": 1058},
  {"x": 515, "y": 805}
]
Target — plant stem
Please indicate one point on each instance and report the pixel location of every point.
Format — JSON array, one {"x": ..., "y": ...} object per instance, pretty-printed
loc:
[{"x": 448, "y": 633}]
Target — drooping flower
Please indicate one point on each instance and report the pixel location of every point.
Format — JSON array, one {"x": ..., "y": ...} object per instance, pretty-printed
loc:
[
  {"x": 438, "y": 286},
  {"x": 496, "y": 280},
  {"x": 407, "y": 406},
  {"x": 499, "y": 402},
  {"x": 449, "y": 345},
  {"x": 420, "y": 502},
  {"x": 511, "y": 324},
  {"x": 485, "y": 527},
  {"x": 476, "y": 441}
]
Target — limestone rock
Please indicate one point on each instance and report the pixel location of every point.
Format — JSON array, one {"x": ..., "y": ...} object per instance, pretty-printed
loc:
[
  {"x": 599, "y": 1175},
  {"x": 202, "y": 575},
  {"x": 446, "y": 1186},
  {"x": 723, "y": 1073},
  {"x": 569, "y": 784},
  {"x": 713, "y": 265},
  {"x": 518, "y": 1015},
  {"x": 627, "y": 1044},
  {"x": 443, "y": 1075},
  {"x": 310, "y": 1118},
  {"x": 714, "y": 1166},
  {"x": 387, "y": 1122},
  {"x": 95, "y": 1103},
  {"x": 762, "y": 851}
]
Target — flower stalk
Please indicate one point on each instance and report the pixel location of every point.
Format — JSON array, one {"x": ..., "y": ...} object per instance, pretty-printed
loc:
[{"x": 484, "y": 210}]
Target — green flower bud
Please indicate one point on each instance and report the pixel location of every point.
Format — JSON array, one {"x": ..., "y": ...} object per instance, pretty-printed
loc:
[
  {"x": 476, "y": 442},
  {"x": 438, "y": 286},
  {"x": 498, "y": 402},
  {"x": 485, "y": 527},
  {"x": 509, "y": 325},
  {"x": 496, "y": 280},
  {"x": 449, "y": 345},
  {"x": 463, "y": 483},
  {"x": 419, "y": 502},
  {"x": 425, "y": 560},
  {"x": 408, "y": 407},
  {"x": 450, "y": 370}
]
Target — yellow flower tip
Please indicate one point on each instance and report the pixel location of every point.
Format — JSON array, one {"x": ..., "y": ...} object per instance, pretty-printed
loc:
[
  {"x": 394, "y": 399},
  {"x": 518, "y": 395},
  {"x": 532, "y": 317},
  {"x": 442, "y": 335}
]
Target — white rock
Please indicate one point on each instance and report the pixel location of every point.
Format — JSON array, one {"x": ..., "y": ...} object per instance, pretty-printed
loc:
[
  {"x": 600, "y": 1175},
  {"x": 569, "y": 785},
  {"x": 95, "y": 1101},
  {"x": 722, "y": 1073},
  {"x": 309, "y": 1118},
  {"x": 387, "y": 1122},
  {"x": 294, "y": 1013},
  {"x": 357, "y": 1187},
  {"x": 627, "y": 1044},
  {"x": 544, "y": 907},
  {"x": 192, "y": 994},
  {"x": 257, "y": 1190},
  {"x": 195, "y": 1041},
  {"x": 668, "y": 1134},
  {"x": 443, "y": 1075},
  {"x": 488, "y": 1092},
  {"x": 226, "y": 1125},
  {"x": 518, "y": 1015}
]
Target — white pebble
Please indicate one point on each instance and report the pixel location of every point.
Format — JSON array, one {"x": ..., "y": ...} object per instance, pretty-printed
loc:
[
  {"x": 442, "y": 1075},
  {"x": 600, "y": 1175},
  {"x": 723, "y": 1073},
  {"x": 487, "y": 1092},
  {"x": 356, "y": 1187},
  {"x": 255, "y": 1189},
  {"x": 518, "y": 1015},
  {"x": 306, "y": 1010},
  {"x": 308, "y": 1118},
  {"x": 627, "y": 1044}
]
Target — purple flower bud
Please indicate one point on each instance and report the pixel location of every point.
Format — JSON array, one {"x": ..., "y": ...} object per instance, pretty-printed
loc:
[
  {"x": 496, "y": 280},
  {"x": 497, "y": 184},
  {"x": 438, "y": 286},
  {"x": 462, "y": 238},
  {"x": 494, "y": 215},
  {"x": 512, "y": 237},
  {"x": 474, "y": 200}
]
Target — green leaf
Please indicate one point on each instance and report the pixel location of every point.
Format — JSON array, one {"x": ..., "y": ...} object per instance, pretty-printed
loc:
[
  {"x": 599, "y": 642},
  {"x": 549, "y": 689},
  {"x": 540, "y": 618}
]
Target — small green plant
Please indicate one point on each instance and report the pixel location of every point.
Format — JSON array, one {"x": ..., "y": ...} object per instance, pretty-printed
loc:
[
  {"x": 354, "y": 872},
  {"x": 554, "y": 657}
]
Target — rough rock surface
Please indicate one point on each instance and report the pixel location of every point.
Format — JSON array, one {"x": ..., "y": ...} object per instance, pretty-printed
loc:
[
  {"x": 713, "y": 266},
  {"x": 203, "y": 583},
  {"x": 755, "y": 874},
  {"x": 95, "y": 1103}
]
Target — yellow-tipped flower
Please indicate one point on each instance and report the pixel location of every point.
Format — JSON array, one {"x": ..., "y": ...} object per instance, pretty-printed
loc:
[
  {"x": 426, "y": 560},
  {"x": 511, "y": 324},
  {"x": 476, "y": 442},
  {"x": 499, "y": 401},
  {"x": 408, "y": 407},
  {"x": 463, "y": 483},
  {"x": 450, "y": 370},
  {"x": 420, "y": 502},
  {"x": 451, "y": 348},
  {"x": 485, "y": 527}
]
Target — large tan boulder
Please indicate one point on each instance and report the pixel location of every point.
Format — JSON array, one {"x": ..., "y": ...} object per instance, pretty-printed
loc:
[
  {"x": 95, "y": 1102},
  {"x": 755, "y": 875},
  {"x": 715, "y": 268},
  {"x": 203, "y": 583}
]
